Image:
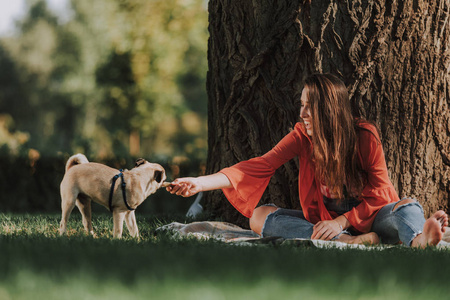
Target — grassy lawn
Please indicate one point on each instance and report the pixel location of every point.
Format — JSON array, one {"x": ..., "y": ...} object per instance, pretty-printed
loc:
[{"x": 36, "y": 263}]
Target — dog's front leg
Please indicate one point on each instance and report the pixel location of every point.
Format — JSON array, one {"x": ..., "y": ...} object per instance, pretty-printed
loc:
[
  {"x": 118, "y": 217},
  {"x": 130, "y": 220}
]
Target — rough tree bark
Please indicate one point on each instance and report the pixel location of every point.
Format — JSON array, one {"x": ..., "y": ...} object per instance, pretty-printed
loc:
[{"x": 394, "y": 57}]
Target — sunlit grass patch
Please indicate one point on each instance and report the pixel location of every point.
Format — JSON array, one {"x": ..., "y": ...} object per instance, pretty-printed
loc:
[
  {"x": 48, "y": 225},
  {"x": 28, "y": 224}
]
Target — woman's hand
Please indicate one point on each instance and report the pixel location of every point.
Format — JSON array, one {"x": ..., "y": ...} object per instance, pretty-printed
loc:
[
  {"x": 326, "y": 230},
  {"x": 189, "y": 186},
  {"x": 186, "y": 187}
]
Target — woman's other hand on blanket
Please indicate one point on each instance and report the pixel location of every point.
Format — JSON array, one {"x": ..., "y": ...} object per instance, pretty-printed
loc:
[
  {"x": 326, "y": 230},
  {"x": 185, "y": 187}
]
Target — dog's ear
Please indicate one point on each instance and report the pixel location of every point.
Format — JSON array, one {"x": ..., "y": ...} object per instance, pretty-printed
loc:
[
  {"x": 157, "y": 176},
  {"x": 139, "y": 161}
]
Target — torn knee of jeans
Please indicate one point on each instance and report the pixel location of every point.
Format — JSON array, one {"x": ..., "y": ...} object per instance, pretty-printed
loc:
[
  {"x": 404, "y": 203},
  {"x": 269, "y": 204}
]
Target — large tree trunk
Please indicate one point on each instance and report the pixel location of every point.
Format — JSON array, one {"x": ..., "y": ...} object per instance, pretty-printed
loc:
[{"x": 394, "y": 57}]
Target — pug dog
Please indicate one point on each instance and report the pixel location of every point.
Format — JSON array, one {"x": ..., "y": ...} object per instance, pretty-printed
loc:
[{"x": 119, "y": 191}]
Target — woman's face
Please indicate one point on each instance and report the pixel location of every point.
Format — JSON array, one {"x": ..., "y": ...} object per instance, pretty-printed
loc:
[{"x": 305, "y": 112}]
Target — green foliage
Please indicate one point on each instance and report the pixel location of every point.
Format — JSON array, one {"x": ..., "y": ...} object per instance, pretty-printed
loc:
[
  {"x": 117, "y": 79},
  {"x": 37, "y": 263}
]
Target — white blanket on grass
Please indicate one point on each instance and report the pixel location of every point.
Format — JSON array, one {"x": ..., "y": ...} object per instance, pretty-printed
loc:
[{"x": 231, "y": 233}]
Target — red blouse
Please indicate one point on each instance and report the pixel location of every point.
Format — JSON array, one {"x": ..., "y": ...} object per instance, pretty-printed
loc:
[{"x": 250, "y": 178}]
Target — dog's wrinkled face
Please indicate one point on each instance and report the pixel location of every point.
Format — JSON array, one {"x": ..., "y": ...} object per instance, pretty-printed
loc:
[{"x": 156, "y": 175}]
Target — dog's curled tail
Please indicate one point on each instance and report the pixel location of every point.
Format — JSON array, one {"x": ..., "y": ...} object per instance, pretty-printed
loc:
[{"x": 76, "y": 160}]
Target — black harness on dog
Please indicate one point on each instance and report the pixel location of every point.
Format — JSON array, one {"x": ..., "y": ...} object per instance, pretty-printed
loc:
[{"x": 124, "y": 193}]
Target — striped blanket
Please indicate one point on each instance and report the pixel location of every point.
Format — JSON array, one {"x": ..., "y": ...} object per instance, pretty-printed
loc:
[{"x": 231, "y": 233}]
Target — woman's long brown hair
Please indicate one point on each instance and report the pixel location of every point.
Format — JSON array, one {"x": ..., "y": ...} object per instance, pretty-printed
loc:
[{"x": 335, "y": 142}]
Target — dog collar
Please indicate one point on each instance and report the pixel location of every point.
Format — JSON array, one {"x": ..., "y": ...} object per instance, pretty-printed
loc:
[{"x": 124, "y": 194}]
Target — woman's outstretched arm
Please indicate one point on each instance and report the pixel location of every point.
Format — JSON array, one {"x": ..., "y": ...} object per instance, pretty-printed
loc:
[{"x": 189, "y": 186}]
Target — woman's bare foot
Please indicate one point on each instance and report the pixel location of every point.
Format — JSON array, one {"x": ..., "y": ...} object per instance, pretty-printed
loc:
[
  {"x": 370, "y": 238},
  {"x": 433, "y": 230}
]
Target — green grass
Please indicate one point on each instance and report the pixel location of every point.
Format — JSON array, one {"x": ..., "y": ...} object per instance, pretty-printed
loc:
[{"x": 36, "y": 263}]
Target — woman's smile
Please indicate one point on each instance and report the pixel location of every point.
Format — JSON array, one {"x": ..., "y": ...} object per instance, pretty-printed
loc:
[{"x": 305, "y": 113}]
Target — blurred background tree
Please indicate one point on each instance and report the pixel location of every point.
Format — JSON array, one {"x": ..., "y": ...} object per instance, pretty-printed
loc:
[
  {"x": 117, "y": 79},
  {"x": 113, "y": 79}
]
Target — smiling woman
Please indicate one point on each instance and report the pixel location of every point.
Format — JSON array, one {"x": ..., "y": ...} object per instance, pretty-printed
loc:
[
  {"x": 305, "y": 112},
  {"x": 344, "y": 187},
  {"x": 329, "y": 117}
]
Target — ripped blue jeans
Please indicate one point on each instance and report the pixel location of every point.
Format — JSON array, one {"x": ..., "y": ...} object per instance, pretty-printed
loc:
[{"x": 403, "y": 224}]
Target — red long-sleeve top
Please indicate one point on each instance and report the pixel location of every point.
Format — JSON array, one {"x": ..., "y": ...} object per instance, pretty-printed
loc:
[{"x": 250, "y": 178}]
